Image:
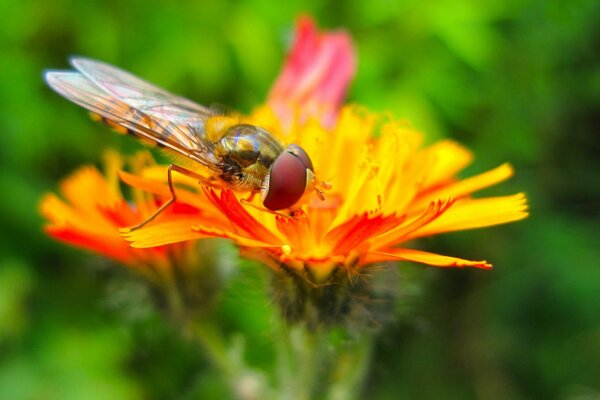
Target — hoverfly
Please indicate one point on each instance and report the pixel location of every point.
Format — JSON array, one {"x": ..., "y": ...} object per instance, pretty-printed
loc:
[{"x": 243, "y": 157}]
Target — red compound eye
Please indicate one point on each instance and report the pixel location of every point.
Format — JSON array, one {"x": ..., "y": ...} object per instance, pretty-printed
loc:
[
  {"x": 301, "y": 154},
  {"x": 287, "y": 180}
]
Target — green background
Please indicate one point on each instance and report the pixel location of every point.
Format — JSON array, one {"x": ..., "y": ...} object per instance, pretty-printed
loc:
[{"x": 515, "y": 81}]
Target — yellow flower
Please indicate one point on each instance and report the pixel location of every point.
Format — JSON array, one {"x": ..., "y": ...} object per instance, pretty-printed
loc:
[{"x": 387, "y": 189}]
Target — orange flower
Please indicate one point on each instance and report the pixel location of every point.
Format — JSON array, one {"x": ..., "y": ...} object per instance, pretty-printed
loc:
[
  {"x": 94, "y": 209},
  {"x": 387, "y": 189}
]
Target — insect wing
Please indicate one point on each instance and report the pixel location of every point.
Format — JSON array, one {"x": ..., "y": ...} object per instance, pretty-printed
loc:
[
  {"x": 80, "y": 90},
  {"x": 186, "y": 117},
  {"x": 146, "y": 97}
]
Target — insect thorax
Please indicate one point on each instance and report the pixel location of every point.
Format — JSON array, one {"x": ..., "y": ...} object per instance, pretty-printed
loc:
[{"x": 246, "y": 153}]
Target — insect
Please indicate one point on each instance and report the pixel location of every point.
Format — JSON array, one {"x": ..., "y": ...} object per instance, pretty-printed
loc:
[{"x": 243, "y": 157}]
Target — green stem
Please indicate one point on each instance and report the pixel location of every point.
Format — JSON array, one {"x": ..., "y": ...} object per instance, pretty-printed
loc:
[
  {"x": 174, "y": 299},
  {"x": 313, "y": 365},
  {"x": 305, "y": 344},
  {"x": 245, "y": 382},
  {"x": 302, "y": 357},
  {"x": 211, "y": 341},
  {"x": 202, "y": 331},
  {"x": 351, "y": 369},
  {"x": 285, "y": 358}
]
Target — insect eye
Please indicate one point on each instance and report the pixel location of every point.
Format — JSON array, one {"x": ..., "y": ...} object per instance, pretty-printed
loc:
[
  {"x": 301, "y": 154},
  {"x": 287, "y": 179}
]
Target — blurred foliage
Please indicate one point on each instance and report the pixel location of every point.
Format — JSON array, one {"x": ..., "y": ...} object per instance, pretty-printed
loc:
[{"x": 516, "y": 81}]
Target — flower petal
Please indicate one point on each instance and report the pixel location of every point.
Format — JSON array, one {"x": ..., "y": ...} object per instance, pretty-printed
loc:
[
  {"x": 173, "y": 230},
  {"x": 350, "y": 235},
  {"x": 110, "y": 246},
  {"x": 469, "y": 185},
  {"x": 161, "y": 188},
  {"x": 448, "y": 158},
  {"x": 86, "y": 189},
  {"x": 423, "y": 257},
  {"x": 210, "y": 231},
  {"x": 315, "y": 75},
  {"x": 240, "y": 219},
  {"x": 400, "y": 234},
  {"x": 476, "y": 213},
  {"x": 298, "y": 231}
]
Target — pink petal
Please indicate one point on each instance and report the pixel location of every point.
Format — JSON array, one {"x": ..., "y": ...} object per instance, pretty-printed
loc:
[{"x": 315, "y": 75}]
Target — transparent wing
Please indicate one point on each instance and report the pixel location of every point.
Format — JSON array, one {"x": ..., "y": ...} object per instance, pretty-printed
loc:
[
  {"x": 181, "y": 138},
  {"x": 144, "y": 96}
]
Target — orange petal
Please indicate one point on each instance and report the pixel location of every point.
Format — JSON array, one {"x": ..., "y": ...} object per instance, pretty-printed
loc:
[
  {"x": 348, "y": 236},
  {"x": 297, "y": 231},
  {"x": 448, "y": 158},
  {"x": 476, "y": 213},
  {"x": 400, "y": 234},
  {"x": 240, "y": 218},
  {"x": 56, "y": 211},
  {"x": 120, "y": 215},
  {"x": 243, "y": 241},
  {"x": 467, "y": 186},
  {"x": 61, "y": 214},
  {"x": 423, "y": 257},
  {"x": 161, "y": 188},
  {"x": 173, "y": 230},
  {"x": 111, "y": 247},
  {"x": 87, "y": 188}
]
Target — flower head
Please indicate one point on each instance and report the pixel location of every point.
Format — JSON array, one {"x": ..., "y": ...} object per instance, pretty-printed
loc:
[
  {"x": 92, "y": 209},
  {"x": 387, "y": 189}
]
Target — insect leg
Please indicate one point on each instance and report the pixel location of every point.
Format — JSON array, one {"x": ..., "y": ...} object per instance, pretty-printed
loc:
[
  {"x": 259, "y": 208},
  {"x": 173, "y": 198},
  {"x": 251, "y": 196}
]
